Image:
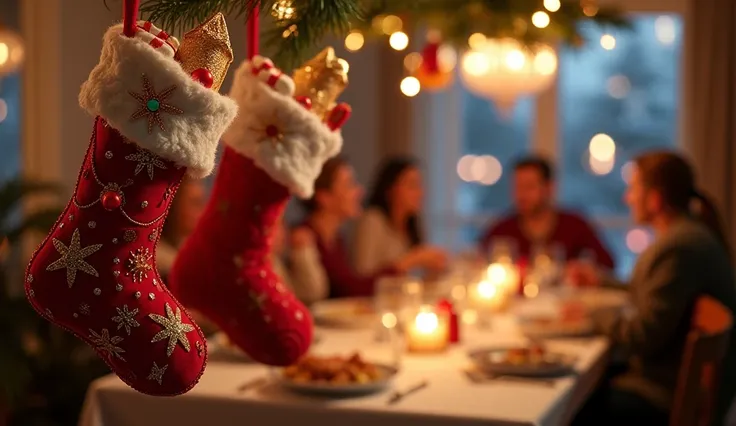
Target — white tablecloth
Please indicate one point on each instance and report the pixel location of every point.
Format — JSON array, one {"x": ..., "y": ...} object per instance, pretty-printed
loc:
[{"x": 450, "y": 398}]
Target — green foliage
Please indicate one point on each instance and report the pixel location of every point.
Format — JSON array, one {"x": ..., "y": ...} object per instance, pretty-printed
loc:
[
  {"x": 296, "y": 34},
  {"x": 44, "y": 371}
]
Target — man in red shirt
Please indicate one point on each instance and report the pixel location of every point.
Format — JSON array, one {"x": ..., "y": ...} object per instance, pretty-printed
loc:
[{"x": 537, "y": 222}]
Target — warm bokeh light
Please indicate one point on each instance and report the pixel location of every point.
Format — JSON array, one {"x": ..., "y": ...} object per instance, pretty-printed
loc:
[
  {"x": 540, "y": 19},
  {"x": 464, "y": 166},
  {"x": 389, "y": 320},
  {"x": 492, "y": 170},
  {"x": 619, "y": 86},
  {"x": 608, "y": 42},
  {"x": 283, "y": 10},
  {"x": 446, "y": 58},
  {"x": 398, "y": 40},
  {"x": 504, "y": 70},
  {"x": 637, "y": 240},
  {"x": 413, "y": 61},
  {"x": 602, "y": 147},
  {"x": 354, "y": 41},
  {"x": 552, "y": 5},
  {"x": 426, "y": 322},
  {"x": 487, "y": 290},
  {"x": 410, "y": 86},
  {"x": 665, "y": 30},
  {"x": 476, "y": 41},
  {"x": 391, "y": 24},
  {"x": 600, "y": 167},
  {"x": 590, "y": 10},
  {"x": 3, "y": 110},
  {"x": 4, "y": 53},
  {"x": 531, "y": 291},
  {"x": 626, "y": 171},
  {"x": 496, "y": 273}
]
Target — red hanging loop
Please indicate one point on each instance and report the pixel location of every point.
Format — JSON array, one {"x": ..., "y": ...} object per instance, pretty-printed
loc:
[
  {"x": 252, "y": 31},
  {"x": 130, "y": 17}
]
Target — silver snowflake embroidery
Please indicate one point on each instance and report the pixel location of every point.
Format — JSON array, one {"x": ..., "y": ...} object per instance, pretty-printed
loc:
[
  {"x": 72, "y": 258},
  {"x": 146, "y": 160},
  {"x": 126, "y": 318},
  {"x": 84, "y": 309},
  {"x": 105, "y": 343},
  {"x": 157, "y": 373},
  {"x": 173, "y": 329}
]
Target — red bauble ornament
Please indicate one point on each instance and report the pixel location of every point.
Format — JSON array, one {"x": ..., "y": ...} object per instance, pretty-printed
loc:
[
  {"x": 430, "y": 73},
  {"x": 203, "y": 76},
  {"x": 111, "y": 200},
  {"x": 446, "y": 306}
]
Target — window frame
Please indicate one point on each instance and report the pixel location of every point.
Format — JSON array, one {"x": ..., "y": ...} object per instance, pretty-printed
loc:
[{"x": 438, "y": 120}]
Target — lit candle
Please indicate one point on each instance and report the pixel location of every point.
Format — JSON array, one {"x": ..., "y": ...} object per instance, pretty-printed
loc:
[
  {"x": 489, "y": 296},
  {"x": 428, "y": 332},
  {"x": 505, "y": 275}
]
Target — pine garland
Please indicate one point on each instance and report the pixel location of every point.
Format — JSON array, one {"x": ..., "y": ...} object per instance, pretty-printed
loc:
[{"x": 300, "y": 25}]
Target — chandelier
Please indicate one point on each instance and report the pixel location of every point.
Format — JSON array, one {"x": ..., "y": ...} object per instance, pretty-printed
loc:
[
  {"x": 503, "y": 70},
  {"x": 11, "y": 51}
]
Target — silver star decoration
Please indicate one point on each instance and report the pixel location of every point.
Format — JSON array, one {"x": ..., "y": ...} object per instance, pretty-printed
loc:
[
  {"x": 103, "y": 342},
  {"x": 72, "y": 258},
  {"x": 126, "y": 318},
  {"x": 157, "y": 374},
  {"x": 174, "y": 329},
  {"x": 146, "y": 160}
]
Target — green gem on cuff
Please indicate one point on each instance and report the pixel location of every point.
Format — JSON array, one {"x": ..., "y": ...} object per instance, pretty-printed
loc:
[{"x": 153, "y": 105}]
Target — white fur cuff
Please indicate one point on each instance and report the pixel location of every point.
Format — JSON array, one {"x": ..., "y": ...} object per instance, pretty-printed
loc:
[
  {"x": 150, "y": 100},
  {"x": 284, "y": 139}
]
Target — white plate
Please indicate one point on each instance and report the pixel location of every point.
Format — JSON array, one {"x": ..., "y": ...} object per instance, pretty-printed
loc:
[
  {"x": 339, "y": 390},
  {"x": 493, "y": 361},
  {"x": 542, "y": 328},
  {"x": 219, "y": 348},
  {"x": 345, "y": 313}
]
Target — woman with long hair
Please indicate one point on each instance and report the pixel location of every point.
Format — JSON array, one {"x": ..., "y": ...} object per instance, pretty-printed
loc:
[
  {"x": 390, "y": 227},
  {"x": 688, "y": 258},
  {"x": 336, "y": 201}
]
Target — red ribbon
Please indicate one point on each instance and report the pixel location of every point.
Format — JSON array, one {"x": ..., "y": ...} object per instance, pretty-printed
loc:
[
  {"x": 130, "y": 17},
  {"x": 252, "y": 32}
]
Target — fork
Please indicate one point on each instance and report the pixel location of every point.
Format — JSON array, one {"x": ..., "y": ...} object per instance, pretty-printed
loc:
[{"x": 399, "y": 395}]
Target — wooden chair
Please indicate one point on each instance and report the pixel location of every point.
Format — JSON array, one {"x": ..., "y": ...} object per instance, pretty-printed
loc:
[{"x": 697, "y": 385}]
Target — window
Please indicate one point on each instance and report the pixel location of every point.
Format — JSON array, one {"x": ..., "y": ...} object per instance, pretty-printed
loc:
[
  {"x": 9, "y": 127},
  {"x": 615, "y": 97},
  {"x": 618, "y": 96}
]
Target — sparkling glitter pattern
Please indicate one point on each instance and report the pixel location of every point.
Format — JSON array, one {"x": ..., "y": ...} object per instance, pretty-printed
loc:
[
  {"x": 157, "y": 374},
  {"x": 139, "y": 264},
  {"x": 146, "y": 161},
  {"x": 105, "y": 343},
  {"x": 173, "y": 329},
  {"x": 72, "y": 258},
  {"x": 208, "y": 47},
  {"x": 322, "y": 79},
  {"x": 126, "y": 318}
]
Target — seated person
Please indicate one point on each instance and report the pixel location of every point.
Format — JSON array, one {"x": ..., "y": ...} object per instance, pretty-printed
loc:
[
  {"x": 184, "y": 214},
  {"x": 688, "y": 258},
  {"x": 298, "y": 264},
  {"x": 536, "y": 222},
  {"x": 390, "y": 228},
  {"x": 336, "y": 200}
]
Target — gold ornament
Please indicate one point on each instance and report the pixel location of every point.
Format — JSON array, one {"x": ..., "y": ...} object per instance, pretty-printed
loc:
[
  {"x": 72, "y": 258},
  {"x": 139, "y": 264},
  {"x": 208, "y": 47},
  {"x": 157, "y": 373},
  {"x": 322, "y": 79},
  {"x": 174, "y": 329}
]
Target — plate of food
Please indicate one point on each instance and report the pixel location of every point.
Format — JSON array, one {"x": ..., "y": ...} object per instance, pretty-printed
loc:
[
  {"x": 358, "y": 312},
  {"x": 529, "y": 361},
  {"x": 336, "y": 376}
]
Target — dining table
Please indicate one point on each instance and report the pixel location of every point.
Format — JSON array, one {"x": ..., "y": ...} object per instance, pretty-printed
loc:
[{"x": 243, "y": 393}]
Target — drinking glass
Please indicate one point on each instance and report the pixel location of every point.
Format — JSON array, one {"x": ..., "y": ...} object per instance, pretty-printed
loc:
[{"x": 394, "y": 297}]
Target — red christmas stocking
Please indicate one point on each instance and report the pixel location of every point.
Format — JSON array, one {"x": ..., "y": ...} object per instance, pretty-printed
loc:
[
  {"x": 275, "y": 148},
  {"x": 95, "y": 274}
]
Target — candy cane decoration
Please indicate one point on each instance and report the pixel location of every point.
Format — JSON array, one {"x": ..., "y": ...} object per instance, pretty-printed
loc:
[
  {"x": 252, "y": 32},
  {"x": 130, "y": 15},
  {"x": 157, "y": 38}
]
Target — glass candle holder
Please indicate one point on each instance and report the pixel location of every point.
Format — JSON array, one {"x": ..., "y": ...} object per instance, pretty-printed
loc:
[{"x": 428, "y": 331}]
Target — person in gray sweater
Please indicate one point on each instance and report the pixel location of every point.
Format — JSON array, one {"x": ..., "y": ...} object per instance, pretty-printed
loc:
[{"x": 689, "y": 258}]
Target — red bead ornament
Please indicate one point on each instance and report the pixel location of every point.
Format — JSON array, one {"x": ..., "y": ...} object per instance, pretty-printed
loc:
[
  {"x": 446, "y": 306},
  {"x": 111, "y": 200},
  {"x": 204, "y": 76},
  {"x": 305, "y": 101}
]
